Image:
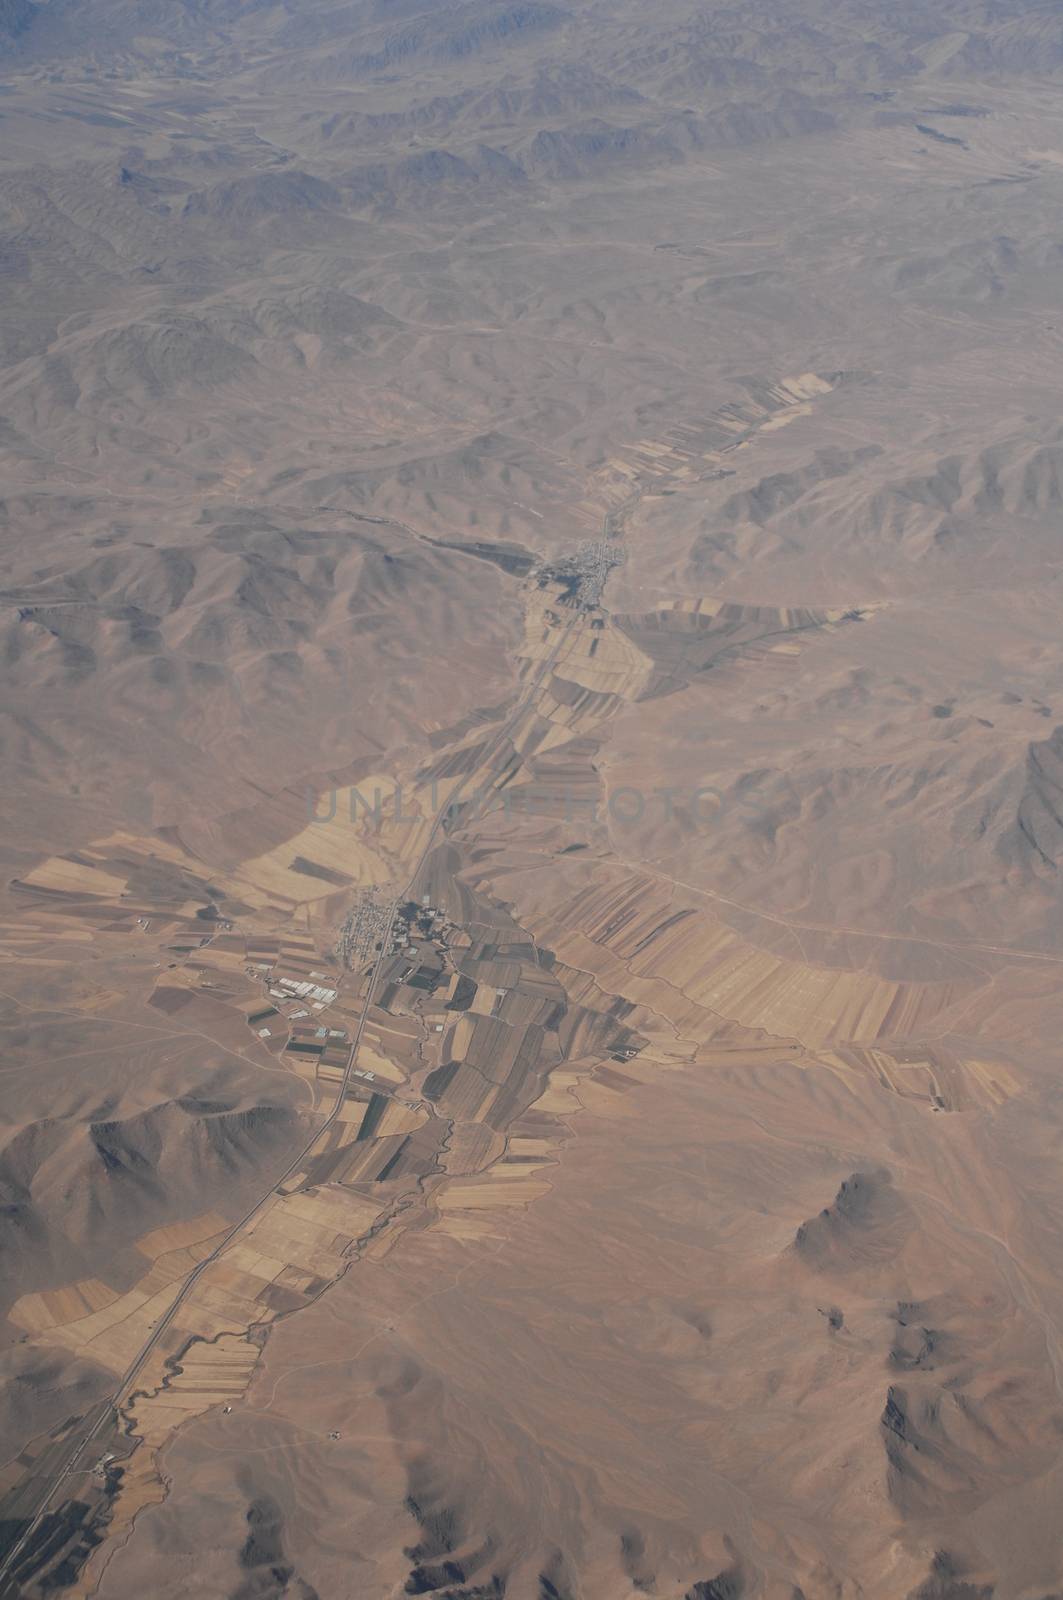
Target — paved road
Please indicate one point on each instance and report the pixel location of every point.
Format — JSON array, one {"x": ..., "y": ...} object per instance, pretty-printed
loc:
[{"x": 136, "y": 1366}]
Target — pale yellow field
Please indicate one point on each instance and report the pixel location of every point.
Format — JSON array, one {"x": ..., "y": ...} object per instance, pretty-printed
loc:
[
  {"x": 74, "y": 878},
  {"x": 37, "y": 1313},
  {"x": 335, "y": 844},
  {"x": 179, "y": 1235},
  {"x": 627, "y": 933}
]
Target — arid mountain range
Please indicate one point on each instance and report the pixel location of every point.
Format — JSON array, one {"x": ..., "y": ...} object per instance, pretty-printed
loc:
[{"x": 531, "y": 918}]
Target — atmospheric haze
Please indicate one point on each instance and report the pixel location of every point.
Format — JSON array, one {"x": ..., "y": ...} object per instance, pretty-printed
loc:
[{"x": 531, "y": 918}]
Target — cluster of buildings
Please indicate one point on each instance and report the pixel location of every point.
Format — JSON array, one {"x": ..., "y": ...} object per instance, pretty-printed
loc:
[{"x": 317, "y": 995}]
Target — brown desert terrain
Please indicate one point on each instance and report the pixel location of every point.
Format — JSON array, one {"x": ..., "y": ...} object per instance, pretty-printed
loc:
[{"x": 531, "y": 922}]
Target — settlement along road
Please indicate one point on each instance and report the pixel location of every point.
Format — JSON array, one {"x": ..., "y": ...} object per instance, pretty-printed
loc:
[{"x": 106, "y": 1416}]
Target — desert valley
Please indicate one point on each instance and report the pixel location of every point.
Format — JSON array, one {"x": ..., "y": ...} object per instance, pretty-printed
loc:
[{"x": 531, "y": 923}]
